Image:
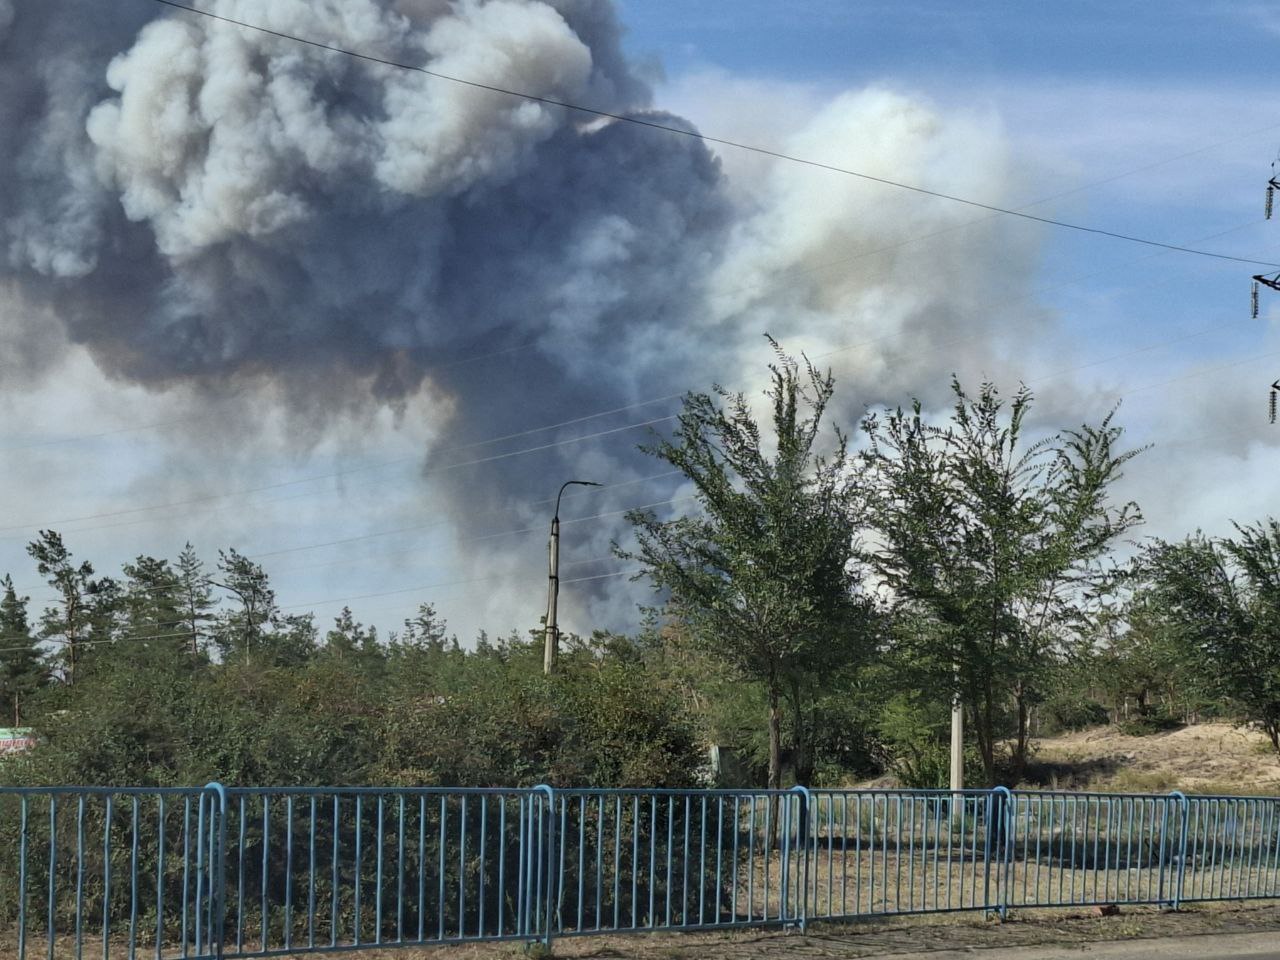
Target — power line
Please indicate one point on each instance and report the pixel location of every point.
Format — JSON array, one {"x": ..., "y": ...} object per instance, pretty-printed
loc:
[
  {"x": 186, "y": 634},
  {"x": 799, "y": 271},
  {"x": 694, "y": 134},
  {"x": 436, "y": 523},
  {"x": 337, "y": 473},
  {"x": 866, "y": 342},
  {"x": 195, "y": 418},
  {"x": 931, "y": 348},
  {"x": 208, "y": 581}
]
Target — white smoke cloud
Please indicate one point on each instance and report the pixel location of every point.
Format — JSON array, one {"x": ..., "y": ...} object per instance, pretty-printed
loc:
[
  {"x": 209, "y": 208},
  {"x": 447, "y": 139},
  {"x": 824, "y": 260},
  {"x": 215, "y": 130}
]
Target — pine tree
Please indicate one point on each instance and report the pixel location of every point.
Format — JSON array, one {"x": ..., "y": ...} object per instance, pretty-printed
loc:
[
  {"x": 196, "y": 596},
  {"x": 71, "y": 622},
  {"x": 22, "y": 671},
  {"x": 241, "y": 632},
  {"x": 152, "y": 601}
]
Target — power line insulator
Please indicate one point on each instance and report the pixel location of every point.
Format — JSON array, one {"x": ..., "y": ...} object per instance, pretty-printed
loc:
[
  {"x": 1275, "y": 392},
  {"x": 1253, "y": 300},
  {"x": 1271, "y": 195},
  {"x": 1267, "y": 281}
]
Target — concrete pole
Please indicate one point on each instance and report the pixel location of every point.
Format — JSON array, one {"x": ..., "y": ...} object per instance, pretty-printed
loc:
[
  {"x": 551, "y": 635},
  {"x": 957, "y": 736},
  {"x": 957, "y": 746}
]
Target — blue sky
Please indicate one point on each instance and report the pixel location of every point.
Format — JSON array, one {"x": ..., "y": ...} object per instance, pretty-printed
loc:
[
  {"x": 849, "y": 43},
  {"x": 1144, "y": 121}
]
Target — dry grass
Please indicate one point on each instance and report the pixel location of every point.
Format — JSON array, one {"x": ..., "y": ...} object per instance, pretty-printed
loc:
[{"x": 1207, "y": 758}]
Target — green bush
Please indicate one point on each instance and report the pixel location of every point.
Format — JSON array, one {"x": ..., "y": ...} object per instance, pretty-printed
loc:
[
  {"x": 1146, "y": 724},
  {"x": 1066, "y": 714}
]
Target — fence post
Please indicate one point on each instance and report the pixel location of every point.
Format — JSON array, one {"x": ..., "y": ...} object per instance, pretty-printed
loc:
[
  {"x": 1184, "y": 815},
  {"x": 996, "y": 831},
  {"x": 803, "y": 827},
  {"x": 1010, "y": 833},
  {"x": 547, "y": 848},
  {"x": 217, "y": 868}
]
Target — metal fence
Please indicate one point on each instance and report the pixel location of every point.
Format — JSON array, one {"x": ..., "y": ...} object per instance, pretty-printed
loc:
[{"x": 226, "y": 872}]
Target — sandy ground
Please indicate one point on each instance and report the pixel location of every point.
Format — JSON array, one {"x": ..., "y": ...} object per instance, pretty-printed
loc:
[
  {"x": 910, "y": 936},
  {"x": 1205, "y": 758}
]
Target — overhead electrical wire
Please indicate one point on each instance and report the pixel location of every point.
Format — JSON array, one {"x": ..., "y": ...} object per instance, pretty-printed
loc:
[
  {"x": 337, "y": 473},
  {"x": 495, "y": 535},
  {"x": 995, "y": 212},
  {"x": 993, "y": 209},
  {"x": 197, "y": 417},
  {"x": 343, "y": 541},
  {"x": 216, "y": 497},
  {"x": 772, "y": 285},
  {"x": 186, "y": 634},
  {"x": 213, "y": 498},
  {"x": 422, "y": 587},
  {"x": 719, "y": 141}
]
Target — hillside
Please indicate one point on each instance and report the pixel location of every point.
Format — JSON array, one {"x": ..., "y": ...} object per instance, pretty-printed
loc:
[{"x": 1203, "y": 758}]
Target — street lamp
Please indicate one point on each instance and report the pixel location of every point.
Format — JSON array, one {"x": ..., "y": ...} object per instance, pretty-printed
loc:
[{"x": 551, "y": 639}]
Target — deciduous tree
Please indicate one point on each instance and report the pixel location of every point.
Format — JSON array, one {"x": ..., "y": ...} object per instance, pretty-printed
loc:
[{"x": 763, "y": 575}]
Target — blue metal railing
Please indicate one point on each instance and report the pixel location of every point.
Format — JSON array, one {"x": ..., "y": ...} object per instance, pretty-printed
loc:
[{"x": 221, "y": 872}]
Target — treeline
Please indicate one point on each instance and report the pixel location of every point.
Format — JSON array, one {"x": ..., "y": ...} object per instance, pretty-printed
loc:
[{"x": 817, "y": 614}]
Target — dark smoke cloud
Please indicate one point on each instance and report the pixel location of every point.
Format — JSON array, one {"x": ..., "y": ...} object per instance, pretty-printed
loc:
[
  {"x": 206, "y": 207},
  {"x": 214, "y": 202}
]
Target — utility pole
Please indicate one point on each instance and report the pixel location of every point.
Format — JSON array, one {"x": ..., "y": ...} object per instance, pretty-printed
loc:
[
  {"x": 957, "y": 737},
  {"x": 551, "y": 636},
  {"x": 1269, "y": 281}
]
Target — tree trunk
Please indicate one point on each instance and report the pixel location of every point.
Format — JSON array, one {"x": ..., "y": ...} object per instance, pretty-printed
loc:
[
  {"x": 982, "y": 713},
  {"x": 775, "y": 737},
  {"x": 803, "y": 754},
  {"x": 195, "y": 636},
  {"x": 1022, "y": 744}
]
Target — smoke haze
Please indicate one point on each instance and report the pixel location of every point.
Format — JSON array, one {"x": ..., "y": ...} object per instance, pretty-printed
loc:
[{"x": 221, "y": 216}]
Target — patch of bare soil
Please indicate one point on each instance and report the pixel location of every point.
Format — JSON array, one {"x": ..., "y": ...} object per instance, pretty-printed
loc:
[
  {"x": 899, "y": 936},
  {"x": 879, "y": 937},
  {"x": 1202, "y": 758}
]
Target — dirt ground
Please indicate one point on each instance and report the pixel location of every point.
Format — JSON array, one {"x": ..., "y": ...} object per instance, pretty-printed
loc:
[
  {"x": 898, "y": 936},
  {"x": 1204, "y": 758},
  {"x": 942, "y": 935}
]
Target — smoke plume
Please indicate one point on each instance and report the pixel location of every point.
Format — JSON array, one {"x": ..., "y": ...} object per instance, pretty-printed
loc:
[{"x": 212, "y": 209}]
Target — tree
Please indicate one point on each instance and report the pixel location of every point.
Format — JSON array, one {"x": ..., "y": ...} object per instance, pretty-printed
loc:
[
  {"x": 994, "y": 548},
  {"x": 350, "y": 642},
  {"x": 195, "y": 594},
  {"x": 152, "y": 601},
  {"x": 74, "y": 582},
  {"x": 21, "y": 669},
  {"x": 243, "y": 631},
  {"x": 763, "y": 577},
  {"x": 1222, "y": 599}
]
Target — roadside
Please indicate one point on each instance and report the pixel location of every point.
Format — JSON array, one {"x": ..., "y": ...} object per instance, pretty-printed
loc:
[{"x": 1143, "y": 932}]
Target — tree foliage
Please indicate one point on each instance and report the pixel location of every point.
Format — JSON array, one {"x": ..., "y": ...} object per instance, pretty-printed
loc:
[
  {"x": 763, "y": 574},
  {"x": 1220, "y": 598},
  {"x": 988, "y": 553},
  {"x": 993, "y": 547},
  {"x": 21, "y": 671}
]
